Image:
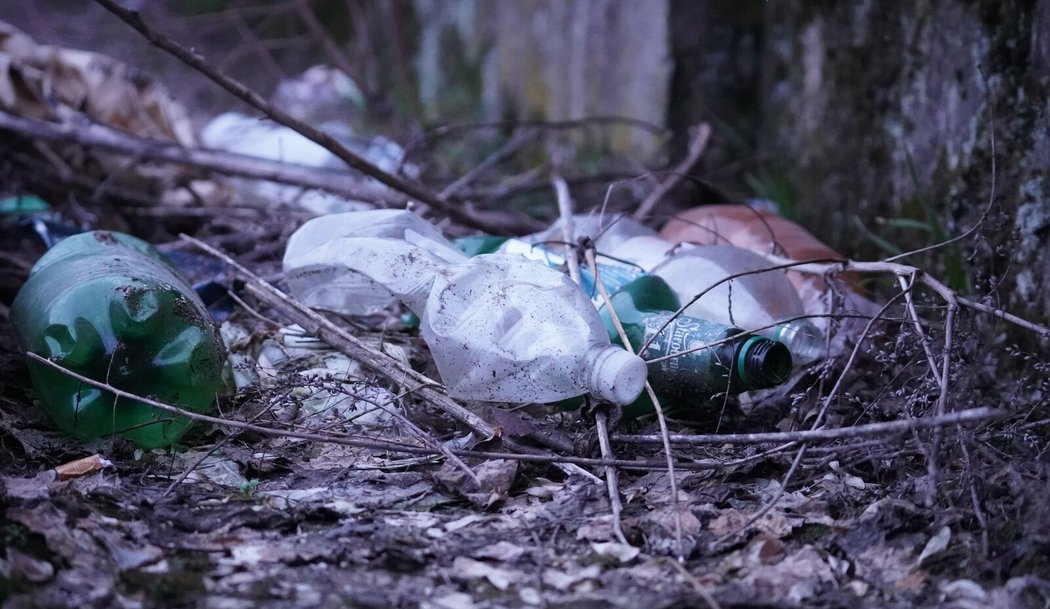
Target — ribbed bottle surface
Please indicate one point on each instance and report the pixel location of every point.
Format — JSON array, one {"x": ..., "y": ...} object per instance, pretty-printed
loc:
[{"x": 107, "y": 306}]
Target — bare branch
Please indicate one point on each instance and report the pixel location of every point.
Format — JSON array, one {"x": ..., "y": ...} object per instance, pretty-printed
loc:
[
  {"x": 323, "y": 139},
  {"x": 696, "y": 150},
  {"x": 227, "y": 163},
  {"x": 887, "y": 428}
]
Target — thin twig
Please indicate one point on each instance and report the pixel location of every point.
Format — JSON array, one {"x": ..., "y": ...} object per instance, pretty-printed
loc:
[
  {"x": 211, "y": 451},
  {"x": 821, "y": 267},
  {"x": 696, "y": 150},
  {"x": 568, "y": 234},
  {"x": 696, "y": 585},
  {"x": 885, "y": 428},
  {"x": 323, "y": 139},
  {"x": 374, "y": 444},
  {"x": 769, "y": 504},
  {"x": 511, "y": 147},
  {"x": 906, "y": 284},
  {"x": 933, "y": 460},
  {"x": 424, "y": 437},
  {"x": 377, "y": 361},
  {"x": 668, "y": 454},
  {"x": 601, "y": 421},
  {"x": 227, "y": 163},
  {"x": 612, "y": 481}
]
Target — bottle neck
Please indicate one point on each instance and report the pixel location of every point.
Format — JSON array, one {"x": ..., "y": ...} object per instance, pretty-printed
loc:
[
  {"x": 762, "y": 363},
  {"x": 613, "y": 374}
]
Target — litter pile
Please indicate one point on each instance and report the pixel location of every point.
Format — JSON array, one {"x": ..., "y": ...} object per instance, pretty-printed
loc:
[{"x": 355, "y": 359}]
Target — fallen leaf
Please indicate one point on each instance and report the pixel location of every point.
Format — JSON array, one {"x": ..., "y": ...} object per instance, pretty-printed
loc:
[
  {"x": 564, "y": 581},
  {"x": 621, "y": 552},
  {"x": 503, "y": 551},
  {"x": 937, "y": 543},
  {"x": 798, "y": 577},
  {"x": 468, "y": 569},
  {"x": 28, "y": 488},
  {"x": 762, "y": 550},
  {"x": 455, "y": 600},
  {"x": 773, "y": 523},
  {"x": 29, "y": 568}
]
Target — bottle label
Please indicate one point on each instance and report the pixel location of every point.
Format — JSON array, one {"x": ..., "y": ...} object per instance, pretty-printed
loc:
[{"x": 697, "y": 370}]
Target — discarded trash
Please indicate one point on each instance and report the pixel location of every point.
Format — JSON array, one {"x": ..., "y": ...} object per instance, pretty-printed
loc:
[
  {"x": 71, "y": 86},
  {"x": 754, "y": 299},
  {"x": 82, "y": 467},
  {"x": 762, "y": 231},
  {"x": 320, "y": 94},
  {"x": 329, "y": 386},
  {"x": 757, "y": 301},
  {"x": 106, "y": 305},
  {"x": 744, "y": 363},
  {"x": 613, "y": 275},
  {"x": 23, "y": 204},
  {"x": 256, "y": 137},
  {"x": 315, "y": 265},
  {"x": 499, "y": 328}
]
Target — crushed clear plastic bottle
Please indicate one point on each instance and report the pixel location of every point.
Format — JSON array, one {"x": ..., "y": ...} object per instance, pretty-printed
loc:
[{"x": 499, "y": 327}]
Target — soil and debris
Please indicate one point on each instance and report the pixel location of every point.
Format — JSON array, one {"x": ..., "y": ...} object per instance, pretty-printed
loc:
[{"x": 946, "y": 516}]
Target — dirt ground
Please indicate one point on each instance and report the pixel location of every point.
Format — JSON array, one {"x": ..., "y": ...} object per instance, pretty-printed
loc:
[{"x": 950, "y": 515}]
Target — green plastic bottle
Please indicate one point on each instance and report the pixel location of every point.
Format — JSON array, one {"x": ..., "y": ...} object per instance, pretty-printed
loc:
[
  {"x": 110, "y": 307},
  {"x": 745, "y": 363}
]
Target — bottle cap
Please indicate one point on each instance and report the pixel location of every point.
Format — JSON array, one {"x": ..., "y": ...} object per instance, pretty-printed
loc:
[
  {"x": 617, "y": 375},
  {"x": 763, "y": 363}
]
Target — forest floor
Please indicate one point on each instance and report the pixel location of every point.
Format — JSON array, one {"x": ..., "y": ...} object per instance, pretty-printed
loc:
[{"x": 906, "y": 506}]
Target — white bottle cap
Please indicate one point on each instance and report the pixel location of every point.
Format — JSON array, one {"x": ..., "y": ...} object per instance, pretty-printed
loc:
[{"x": 617, "y": 375}]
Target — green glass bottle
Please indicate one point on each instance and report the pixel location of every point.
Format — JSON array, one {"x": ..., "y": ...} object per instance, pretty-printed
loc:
[
  {"x": 109, "y": 306},
  {"x": 744, "y": 363}
]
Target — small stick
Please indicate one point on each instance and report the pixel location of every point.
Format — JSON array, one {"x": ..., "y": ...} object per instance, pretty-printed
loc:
[
  {"x": 211, "y": 451},
  {"x": 226, "y": 163},
  {"x": 516, "y": 143},
  {"x": 886, "y": 428},
  {"x": 696, "y": 150},
  {"x": 387, "y": 407},
  {"x": 696, "y": 585},
  {"x": 820, "y": 267},
  {"x": 932, "y": 461},
  {"x": 769, "y": 504},
  {"x": 612, "y": 480},
  {"x": 906, "y": 284},
  {"x": 377, "y": 361},
  {"x": 601, "y": 421},
  {"x": 375, "y": 444},
  {"x": 567, "y": 232},
  {"x": 652, "y": 397}
]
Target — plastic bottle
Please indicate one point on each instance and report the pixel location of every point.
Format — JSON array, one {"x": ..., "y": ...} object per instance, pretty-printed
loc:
[
  {"x": 760, "y": 302},
  {"x": 760, "y": 230},
  {"x": 757, "y": 302},
  {"x": 107, "y": 305},
  {"x": 314, "y": 268},
  {"x": 614, "y": 274},
  {"x": 745, "y": 363},
  {"x": 500, "y": 328}
]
